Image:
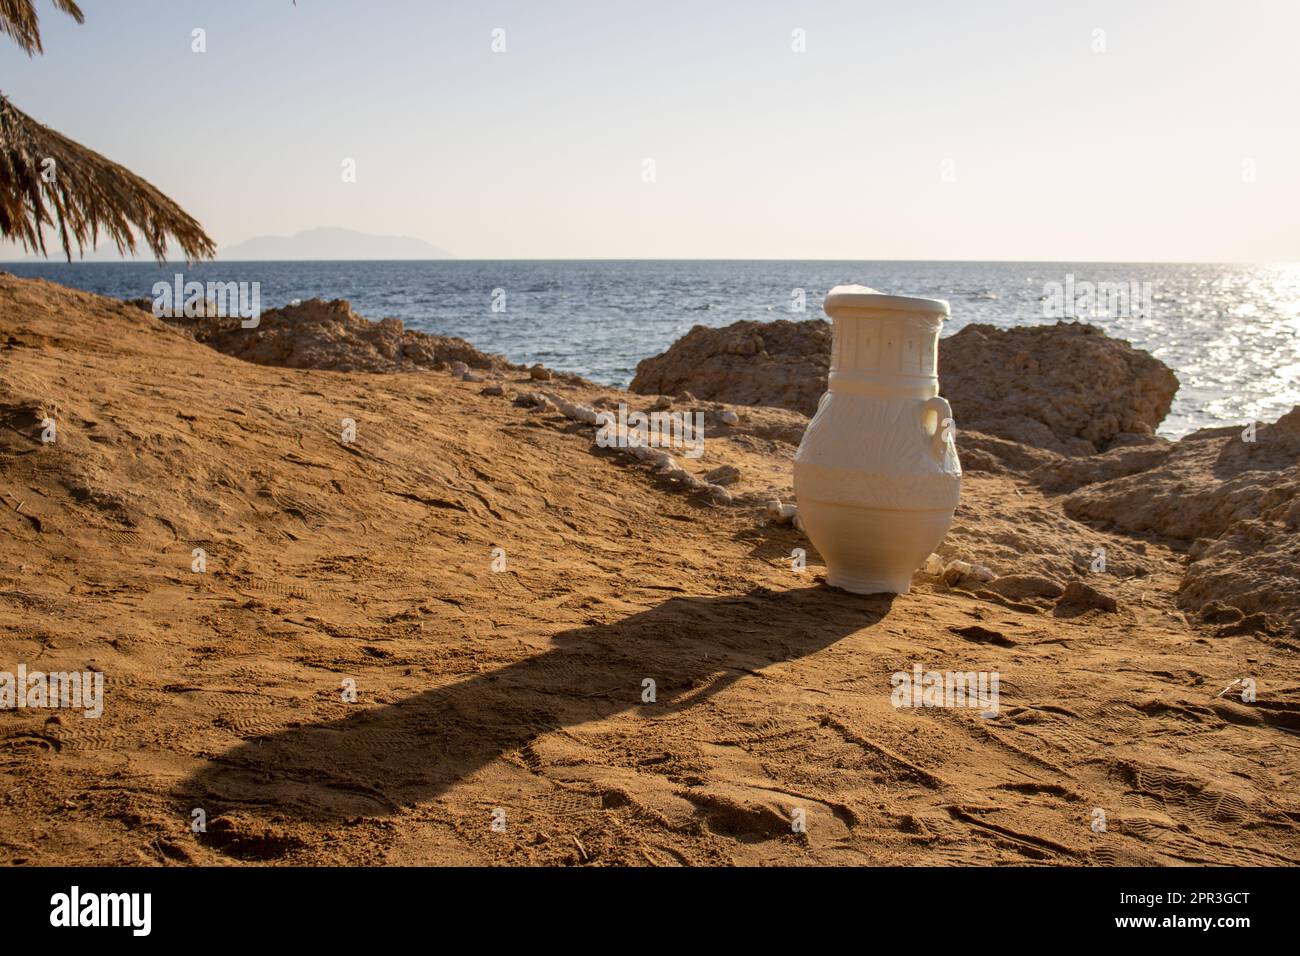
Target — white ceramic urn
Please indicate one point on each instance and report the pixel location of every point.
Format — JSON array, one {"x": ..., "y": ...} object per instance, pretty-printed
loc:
[{"x": 876, "y": 475}]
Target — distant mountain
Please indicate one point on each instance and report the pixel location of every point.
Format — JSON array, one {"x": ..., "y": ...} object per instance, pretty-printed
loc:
[{"x": 330, "y": 243}]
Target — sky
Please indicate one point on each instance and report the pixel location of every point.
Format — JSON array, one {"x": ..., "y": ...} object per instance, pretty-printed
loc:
[{"x": 924, "y": 129}]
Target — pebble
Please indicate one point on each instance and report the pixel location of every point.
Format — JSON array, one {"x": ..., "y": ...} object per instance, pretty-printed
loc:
[
  {"x": 540, "y": 373},
  {"x": 723, "y": 475},
  {"x": 573, "y": 410},
  {"x": 730, "y": 418},
  {"x": 534, "y": 400},
  {"x": 493, "y": 390},
  {"x": 963, "y": 572},
  {"x": 459, "y": 368},
  {"x": 954, "y": 571},
  {"x": 780, "y": 513},
  {"x": 686, "y": 478}
]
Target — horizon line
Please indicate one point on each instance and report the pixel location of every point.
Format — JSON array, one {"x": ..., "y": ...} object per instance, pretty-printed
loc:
[{"x": 218, "y": 260}]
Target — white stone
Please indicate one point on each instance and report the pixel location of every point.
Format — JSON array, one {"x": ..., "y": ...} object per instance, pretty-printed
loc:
[
  {"x": 778, "y": 512},
  {"x": 957, "y": 568}
]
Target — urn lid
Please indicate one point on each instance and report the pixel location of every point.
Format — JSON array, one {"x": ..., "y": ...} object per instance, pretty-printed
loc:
[{"x": 862, "y": 297}]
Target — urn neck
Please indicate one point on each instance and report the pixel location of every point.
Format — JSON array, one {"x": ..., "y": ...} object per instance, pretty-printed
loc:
[{"x": 885, "y": 352}]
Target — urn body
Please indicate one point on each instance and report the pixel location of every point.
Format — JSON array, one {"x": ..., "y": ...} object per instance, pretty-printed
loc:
[{"x": 877, "y": 476}]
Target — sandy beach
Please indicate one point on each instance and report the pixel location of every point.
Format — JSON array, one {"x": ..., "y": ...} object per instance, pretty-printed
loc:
[{"x": 494, "y": 590}]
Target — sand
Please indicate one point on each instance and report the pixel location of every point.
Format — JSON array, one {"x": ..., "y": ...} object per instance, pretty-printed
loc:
[{"x": 514, "y": 697}]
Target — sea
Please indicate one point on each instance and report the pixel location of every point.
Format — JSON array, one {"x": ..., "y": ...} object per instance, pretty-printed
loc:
[{"x": 1230, "y": 332}]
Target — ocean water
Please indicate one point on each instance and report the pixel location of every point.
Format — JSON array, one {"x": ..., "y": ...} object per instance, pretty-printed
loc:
[{"x": 1230, "y": 332}]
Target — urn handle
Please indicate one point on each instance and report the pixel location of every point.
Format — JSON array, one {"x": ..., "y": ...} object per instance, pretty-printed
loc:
[{"x": 936, "y": 419}]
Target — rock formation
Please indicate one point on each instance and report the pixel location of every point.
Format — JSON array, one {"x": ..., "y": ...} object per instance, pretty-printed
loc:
[
  {"x": 1234, "y": 503},
  {"x": 1066, "y": 387},
  {"x": 330, "y": 335},
  {"x": 780, "y": 363}
]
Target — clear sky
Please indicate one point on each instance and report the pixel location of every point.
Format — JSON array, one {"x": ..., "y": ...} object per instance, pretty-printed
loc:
[{"x": 917, "y": 129}]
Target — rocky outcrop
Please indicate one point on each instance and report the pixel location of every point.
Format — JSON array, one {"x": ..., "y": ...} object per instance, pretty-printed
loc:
[
  {"x": 780, "y": 363},
  {"x": 981, "y": 452},
  {"x": 1064, "y": 474},
  {"x": 1234, "y": 503},
  {"x": 1068, "y": 387},
  {"x": 1206, "y": 483},
  {"x": 329, "y": 335}
]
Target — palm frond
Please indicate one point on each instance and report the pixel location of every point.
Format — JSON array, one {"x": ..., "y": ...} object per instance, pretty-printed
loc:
[
  {"x": 18, "y": 20},
  {"x": 47, "y": 179}
]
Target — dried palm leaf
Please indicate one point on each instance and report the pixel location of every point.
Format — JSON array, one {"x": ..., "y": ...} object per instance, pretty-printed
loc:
[
  {"x": 18, "y": 19},
  {"x": 47, "y": 179}
]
